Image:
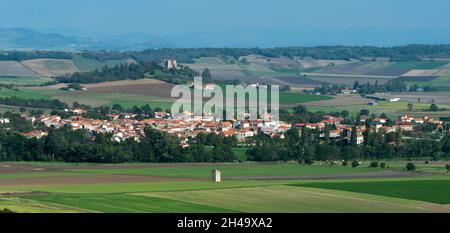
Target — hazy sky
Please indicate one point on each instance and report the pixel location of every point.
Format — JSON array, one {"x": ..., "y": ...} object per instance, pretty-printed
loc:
[{"x": 174, "y": 16}]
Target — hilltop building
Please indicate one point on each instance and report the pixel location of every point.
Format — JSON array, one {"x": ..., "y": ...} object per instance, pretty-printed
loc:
[{"x": 170, "y": 63}]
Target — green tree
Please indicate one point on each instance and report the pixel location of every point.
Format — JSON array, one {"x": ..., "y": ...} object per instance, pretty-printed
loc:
[
  {"x": 304, "y": 136},
  {"x": 354, "y": 136},
  {"x": 398, "y": 140},
  {"x": 6, "y": 211},
  {"x": 222, "y": 153},
  {"x": 345, "y": 114},
  {"x": 117, "y": 108},
  {"x": 410, "y": 166},
  {"x": 367, "y": 134},
  {"x": 410, "y": 107},
  {"x": 364, "y": 112},
  {"x": 326, "y": 134},
  {"x": 434, "y": 108},
  {"x": 206, "y": 76}
]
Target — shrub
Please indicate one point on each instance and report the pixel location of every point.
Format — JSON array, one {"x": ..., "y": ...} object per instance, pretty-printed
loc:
[
  {"x": 373, "y": 164},
  {"x": 308, "y": 161},
  {"x": 355, "y": 163},
  {"x": 6, "y": 211},
  {"x": 410, "y": 166},
  {"x": 383, "y": 165}
]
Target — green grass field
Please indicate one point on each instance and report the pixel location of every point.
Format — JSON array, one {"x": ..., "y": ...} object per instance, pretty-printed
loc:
[
  {"x": 237, "y": 170},
  {"x": 435, "y": 191},
  {"x": 273, "y": 199},
  {"x": 125, "y": 100},
  {"x": 24, "y": 93},
  {"x": 298, "y": 98},
  {"x": 22, "y": 205},
  {"x": 21, "y": 81},
  {"x": 403, "y": 194},
  {"x": 285, "y": 199},
  {"x": 126, "y": 203}
]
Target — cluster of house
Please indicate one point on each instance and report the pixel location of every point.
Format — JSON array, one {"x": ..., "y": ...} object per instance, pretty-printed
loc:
[
  {"x": 405, "y": 123},
  {"x": 124, "y": 126}
]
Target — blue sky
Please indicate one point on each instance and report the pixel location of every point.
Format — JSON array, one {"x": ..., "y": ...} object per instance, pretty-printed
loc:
[{"x": 176, "y": 16}]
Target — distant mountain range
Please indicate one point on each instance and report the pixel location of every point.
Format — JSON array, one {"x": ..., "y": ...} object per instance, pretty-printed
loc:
[
  {"x": 25, "y": 39},
  {"x": 69, "y": 39}
]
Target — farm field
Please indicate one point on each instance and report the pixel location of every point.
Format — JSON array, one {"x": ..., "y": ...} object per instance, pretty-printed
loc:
[
  {"x": 247, "y": 187},
  {"x": 346, "y": 79},
  {"x": 392, "y": 109},
  {"x": 301, "y": 73},
  {"x": 310, "y": 63},
  {"x": 21, "y": 81},
  {"x": 441, "y": 83},
  {"x": 435, "y": 191},
  {"x": 25, "y": 93},
  {"x": 426, "y": 98},
  {"x": 40, "y": 71},
  {"x": 16, "y": 69},
  {"x": 51, "y": 67},
  {"x": 86, "y": 64},
  {"x": 289, "y": 98},
  {"x": 129, "y": 93},
  {"x": 381, "y": 68},
  {"x": 281, "y": 71},
  {"x": 340, "y": 100}
]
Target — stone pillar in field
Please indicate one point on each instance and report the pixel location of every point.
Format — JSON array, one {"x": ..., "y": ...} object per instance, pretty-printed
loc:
[{"x": 216, "y": 176}]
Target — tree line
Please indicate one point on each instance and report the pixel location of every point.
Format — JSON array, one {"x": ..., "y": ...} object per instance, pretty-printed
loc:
[
  {"x": 131, "y": 71},
  {"x": 187, "y": 55},
  {"x": 67, "y": 145},
  {"x": 306, "y": 145},
  {"x": 29, "y": 55},
  {"x": 34, "y": 103}
]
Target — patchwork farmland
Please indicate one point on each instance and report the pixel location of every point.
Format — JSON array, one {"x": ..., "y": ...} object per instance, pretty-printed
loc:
[
  {"x": 247, "y": 187},
  {"x": 51, "y": 67},
  {"x": 16, "y": 69}
]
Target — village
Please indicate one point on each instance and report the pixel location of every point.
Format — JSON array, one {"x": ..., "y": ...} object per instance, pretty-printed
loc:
[{"x": 125, "y": 126}]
